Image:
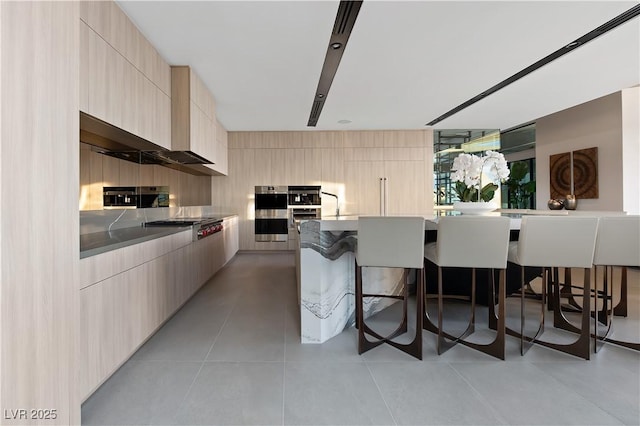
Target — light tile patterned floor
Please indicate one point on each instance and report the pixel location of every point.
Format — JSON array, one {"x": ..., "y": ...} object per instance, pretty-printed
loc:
[{"x": 232, "y": 356}]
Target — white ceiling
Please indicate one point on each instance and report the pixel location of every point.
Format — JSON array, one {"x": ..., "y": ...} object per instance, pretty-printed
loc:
[{"x": 406, "y": 63}]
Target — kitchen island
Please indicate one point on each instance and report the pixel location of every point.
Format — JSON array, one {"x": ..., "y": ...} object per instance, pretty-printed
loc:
[
  {"x": 325, "y": 262},
  {"x": 326, "y": 278}
]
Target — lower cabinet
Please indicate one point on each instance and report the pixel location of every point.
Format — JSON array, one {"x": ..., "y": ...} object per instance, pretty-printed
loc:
[
  {"x": 119, "y": 312},
  {"x": 231, "y": 235}
]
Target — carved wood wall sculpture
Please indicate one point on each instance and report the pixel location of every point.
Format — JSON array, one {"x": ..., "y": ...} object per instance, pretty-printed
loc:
[
  {"x": 585, "y": 173},
  {"x": 560, "y": 169},
  {"x": 577, "y": 167}
]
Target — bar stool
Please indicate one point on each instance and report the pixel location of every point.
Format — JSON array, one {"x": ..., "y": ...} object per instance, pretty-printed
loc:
[
  {"x": 471, "y": 242},
  {"x": 571, "y": 305},
  {"x": 617, "y": 244},
  {"x": 555, "y": 242},
  {"x": 391, "y": 242}
]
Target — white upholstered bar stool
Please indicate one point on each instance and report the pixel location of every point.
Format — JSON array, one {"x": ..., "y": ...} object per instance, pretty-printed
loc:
[
  {"x": 617, "y": 244},
  {"x": 567, "y": 287},
  {"x": 471, "y": 242},
  {"x": 391, "y": 242},
  {"x": 555, "y": 242}
]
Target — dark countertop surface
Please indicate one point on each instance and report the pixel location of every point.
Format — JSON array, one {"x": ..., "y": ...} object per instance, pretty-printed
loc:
[{"x": 102, "y": 242}]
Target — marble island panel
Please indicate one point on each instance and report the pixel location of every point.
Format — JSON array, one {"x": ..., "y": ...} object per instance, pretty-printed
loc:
[
  {"x": 326, "y": 274},
  {"x": 327, "y": 279}
]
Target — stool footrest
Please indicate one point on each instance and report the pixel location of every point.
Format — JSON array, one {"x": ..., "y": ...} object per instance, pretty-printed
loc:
[{"x": 414, "y": 348}]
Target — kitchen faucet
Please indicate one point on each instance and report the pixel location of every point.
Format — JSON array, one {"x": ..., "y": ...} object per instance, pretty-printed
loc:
[{"x": 337, "y": 202}]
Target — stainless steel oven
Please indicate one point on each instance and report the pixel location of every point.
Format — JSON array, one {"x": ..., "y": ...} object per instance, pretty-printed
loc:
[
  {"x": 298, "y": 214},
  {"x": 119, "y": 197},
  {"x": 131, "y": 197},
  {"x": 271, "y": 213},
  {"x": 304, "y": 196},
  {"x": 304, "y": 203}
]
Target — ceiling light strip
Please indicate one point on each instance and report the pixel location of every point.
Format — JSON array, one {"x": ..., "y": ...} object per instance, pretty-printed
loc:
[
  {"x": 602, "y": 29},
  {"x": 342, "y": 27}
]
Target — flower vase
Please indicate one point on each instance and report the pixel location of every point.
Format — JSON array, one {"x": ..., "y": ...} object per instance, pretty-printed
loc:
[{"x": 475, "y": 208}]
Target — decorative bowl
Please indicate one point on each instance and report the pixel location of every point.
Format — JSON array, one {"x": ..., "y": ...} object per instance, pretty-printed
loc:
[
  {"x": 475, "y": 208},
  {"x": 555, "y": 204},
  {"x": 570, "y": 203}
]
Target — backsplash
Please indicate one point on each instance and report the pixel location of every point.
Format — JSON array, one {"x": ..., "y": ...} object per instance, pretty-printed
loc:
[
  {"x": 105, "y": 220},
  {"x": 98, "y": 170}
]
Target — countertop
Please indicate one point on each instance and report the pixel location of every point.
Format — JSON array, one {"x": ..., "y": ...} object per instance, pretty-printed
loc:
[
  {"x": 101, "y": 242},
  {"x": 350, "y": 222}
]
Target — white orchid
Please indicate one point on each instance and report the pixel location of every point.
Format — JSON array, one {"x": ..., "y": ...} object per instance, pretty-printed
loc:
[{"x": 467, "y": 175}]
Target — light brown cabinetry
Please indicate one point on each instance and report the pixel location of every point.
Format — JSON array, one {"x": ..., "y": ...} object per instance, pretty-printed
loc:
[
  {"x": 348, "y": 164},
  {"x": 116, "y": 29},
  {"x": 287, "y": 165},
  {"x": 127, "y": 294},
  {"x": 39, "y": 304},
  {"x": 231, "y": 238},
  {"x": 123, "y": 79},
  {"x": 194, "y": 126},
  {"x": 387, "y": 172},
  {"x": 363, "y": 187},
  {"x": 406, "y": 190},
  {"x": 222, "y": 144}
]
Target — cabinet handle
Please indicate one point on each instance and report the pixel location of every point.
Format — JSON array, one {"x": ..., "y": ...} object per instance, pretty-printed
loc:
[
  {"x": 386, "y": 196},
  {"x": 381, "y": 196}
]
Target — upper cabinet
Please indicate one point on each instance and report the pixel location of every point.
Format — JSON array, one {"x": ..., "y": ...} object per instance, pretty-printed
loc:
[
  {"x": 123, "y": 79},
  {"x": 222, "y": 145},
  {"x": 194, "y": 126},
  {"x": 126, "y": 83}
]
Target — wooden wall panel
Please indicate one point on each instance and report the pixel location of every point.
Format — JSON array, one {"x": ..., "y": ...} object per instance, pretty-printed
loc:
[
  {"x": 313, "y": 166},
  {"x": 98, "y": 170},
  {"x": 39, "y": 307},
  {"x": 334, "y": 181},
  {"x": 362, "y": 187},
  {"x": 364, "y": 139},
  {"x": 348, "y": 164},
  {"x": 407, "y": 191}
]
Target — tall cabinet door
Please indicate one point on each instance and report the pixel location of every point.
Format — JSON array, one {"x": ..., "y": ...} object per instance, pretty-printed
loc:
[
  {"x": 406, "y": 189},
  {"x": 363, "y": 187}
]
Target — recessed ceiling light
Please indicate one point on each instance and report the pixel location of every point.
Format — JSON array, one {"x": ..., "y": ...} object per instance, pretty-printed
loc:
[
  {"x": 320, "y": 95},
  {"x": 336, "y": 45},
  {"x": 344, "y": 121}
]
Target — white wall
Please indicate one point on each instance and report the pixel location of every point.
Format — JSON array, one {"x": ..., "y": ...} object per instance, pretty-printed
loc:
[
  {"x": 597, "y": 123},
  {"x": 631, "y": 150}
]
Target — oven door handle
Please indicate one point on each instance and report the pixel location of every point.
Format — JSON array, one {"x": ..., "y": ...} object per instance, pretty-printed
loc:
[{"x": 272, "y": 214}]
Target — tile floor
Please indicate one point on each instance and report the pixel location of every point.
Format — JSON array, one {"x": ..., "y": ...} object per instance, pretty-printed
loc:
[{"x": 232, "y": 356}]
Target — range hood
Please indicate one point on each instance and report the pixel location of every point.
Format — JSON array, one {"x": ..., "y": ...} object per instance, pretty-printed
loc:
[{"x": 115, "y": 142}]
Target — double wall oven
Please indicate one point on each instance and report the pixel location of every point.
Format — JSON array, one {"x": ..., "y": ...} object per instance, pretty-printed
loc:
[
  {"x": 278, "y": 208},
  {"x": 271, "y": 213}
]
